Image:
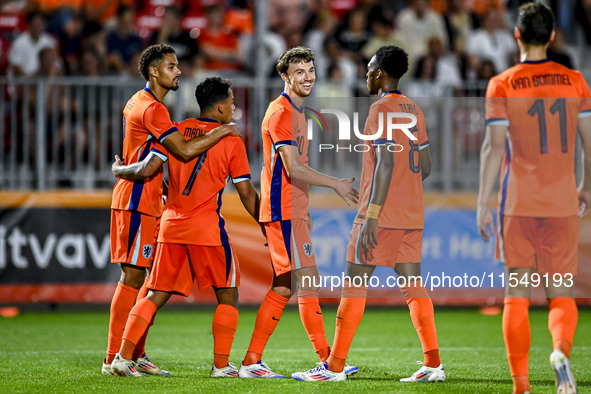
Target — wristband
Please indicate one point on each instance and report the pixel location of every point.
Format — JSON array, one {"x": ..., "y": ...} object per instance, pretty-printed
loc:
[{"x": 373, "y": 210}]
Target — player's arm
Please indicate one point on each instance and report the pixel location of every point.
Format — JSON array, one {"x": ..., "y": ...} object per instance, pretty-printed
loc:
[
  {"x": 425, "y": 157},
  {"x": 297, "y": 170},
  {"x": 189, "y": 149},
  {"x": 382, "y": 176},
  {"x": 140, "y": 170},
  {"x": 585, "y": 186},
  {"x": 249, "y": 197},
  {"x": 491, "y": 157}
]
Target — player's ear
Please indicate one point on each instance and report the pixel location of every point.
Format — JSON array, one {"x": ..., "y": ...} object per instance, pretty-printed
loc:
[
  {"x": 153, "y": 70},
  {"x": 552, "y": 37},
  {"x": 285, "y": 77},
  {"x": 517, "y": 34}
]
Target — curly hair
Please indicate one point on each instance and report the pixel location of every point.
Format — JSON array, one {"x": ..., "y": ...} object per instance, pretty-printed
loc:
[
  {"x": 152, "y": 55},
  {"x": 293, "y": 56},
  {"x": 211, "y": 91},
  {"x": 535, "y": 21},
  {"x": 393, "y": 60}
]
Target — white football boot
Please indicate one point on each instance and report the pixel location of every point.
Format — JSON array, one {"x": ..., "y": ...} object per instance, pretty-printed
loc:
[
  {"x": 229, "y": 371},
  {"x": 563, "y": 376},
  {"x": 258, "y": 370},
  {"x": 320, "y": 374},
  {"x": 124, "y": 367},
  {"x": 427, "y": 374},
  {"x": 145, "y": 365}
]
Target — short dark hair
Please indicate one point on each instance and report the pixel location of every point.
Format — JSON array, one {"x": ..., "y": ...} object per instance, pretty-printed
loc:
[
  {"x": 293, "y": 56},
  {"x": 535, "y": 21},
  {"x": 393, "y": 60},
  {"x": 151, "y": 55},
  {"x": 212, "y": 91}
]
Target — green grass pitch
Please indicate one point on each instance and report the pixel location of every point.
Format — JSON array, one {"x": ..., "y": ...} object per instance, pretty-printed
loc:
[{"x": 63, "y": 351}]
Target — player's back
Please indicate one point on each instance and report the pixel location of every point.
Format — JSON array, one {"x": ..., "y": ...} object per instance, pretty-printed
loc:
[
  {"x": 281, "y": 197},
  {"x": 192, "y": 214},
  {"x": 403, "y": 208},
  {"x": 146, "y": 122},
  {"x": 541, "y": 103}
]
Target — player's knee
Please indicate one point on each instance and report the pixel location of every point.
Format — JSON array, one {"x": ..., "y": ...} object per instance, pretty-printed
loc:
[
  {"x": 133, "y": 277},
  {"x": 283, "y": 291}
]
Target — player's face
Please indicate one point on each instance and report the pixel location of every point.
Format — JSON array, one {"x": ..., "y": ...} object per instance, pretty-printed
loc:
[
  {"x": 169, "y": 72},
  {"x": 301, "y": 77},
  {"x": 228, "y": 108},
  {"x": 372, "y": 71}
]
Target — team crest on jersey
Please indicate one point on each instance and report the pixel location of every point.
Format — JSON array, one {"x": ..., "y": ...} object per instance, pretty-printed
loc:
[
  {"x": 308, "y": 251},
  {"x": 147, "y": 251}
]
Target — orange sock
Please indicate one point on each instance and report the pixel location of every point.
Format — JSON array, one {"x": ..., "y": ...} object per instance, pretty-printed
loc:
[
  {"x": 349, "y": 314},
  {"x": 423, "y": 319},
  {"x": 267, "y": 318},
  {"x": 139, "y": 318},
  {"x": 122, "y": 302},
  {"x": 313, "y": 322},
  {"x": 224, "y": 326},
  {"x": 517, "y": 340},
  {"x": 562, "y": 322},
  {"x": 140, "y": 347}
]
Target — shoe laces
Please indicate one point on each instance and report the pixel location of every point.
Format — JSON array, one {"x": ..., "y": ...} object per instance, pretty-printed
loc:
[{"x": 320, "y": 368}]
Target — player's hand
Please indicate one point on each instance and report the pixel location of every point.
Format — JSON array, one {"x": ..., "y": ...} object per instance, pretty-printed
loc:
[
  {"x": 231, "y": 129},
  {"x": 345, "y": 189},
  {"x": 485, "y": 222},
  {"x": 310, "y": 223},
  {"x": 369, "y": 235},
  {"x": 584, "y": 200},
  {"x": 116, "y": 165}
]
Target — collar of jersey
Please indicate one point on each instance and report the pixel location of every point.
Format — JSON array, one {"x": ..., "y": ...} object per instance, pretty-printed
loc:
[
  {"x": 207, "y": 120},
  {"x": 535, "y": 61},
  {"x": 391, "y": 92},
  {"x": 291, "y": 102},
  {"x": 153, "y": 95}
]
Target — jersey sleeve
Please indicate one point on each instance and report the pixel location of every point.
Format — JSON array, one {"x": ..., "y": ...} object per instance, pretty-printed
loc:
[
  {"x": 423, "y": 137},
  {"x": 585, "y": 104},
  {"x": 239, "y": 168},
  {"x": 157, "y": 121},
  {"x": 280, "y": 129},
  {"x": 496, "y": 104},
  {"x": 160, "y": 151}
]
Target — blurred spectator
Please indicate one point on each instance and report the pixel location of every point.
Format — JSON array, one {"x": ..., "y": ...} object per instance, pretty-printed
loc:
[
  {"x": 239, "y": 18},
  {"x": 50, "y": 63},
  {"x": 219, "y": 43},
  {"x": 104, "y": 12},
  {"x": 333, "y": 86},
  {"x": 583, "y": 16},
  {"x": 557, "y": 51},
  {"x": 486, "y": 70},
  {"x": 382, "y": 34},
  {"x": 438, "y": 66},
  {"x": 123, "y": 42},
  {"x": 171, "y": 32},
  {"x": 13, "y": 6},
  {"x": 274, "y": 46},
  {"x": 336, "y": 56},
  {"x": 23, "y": 57},
  {"x": 324, "y": 25},
  {"x": 493, "y": 42},
  {"x": 91, "y": 65},
  {"x": 460, "y": 22},
  {"x": 70, "y": 39},
  {"x": 482, "y": 7},
  {"x": 354, "y": 36},
  {"x": 415, "y": 24}
]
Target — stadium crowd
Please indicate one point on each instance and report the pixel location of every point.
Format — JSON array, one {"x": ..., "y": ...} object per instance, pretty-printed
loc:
[{"x": 450, "y": 42}]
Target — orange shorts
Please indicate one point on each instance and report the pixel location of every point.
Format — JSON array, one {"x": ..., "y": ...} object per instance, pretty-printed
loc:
[
  {"x": 177, "y": 267},
  {"x": 547, "y": 245},
  {"x": 290, "y": 245},
  {"x": 133, "y": 237},
  {"x": 394, "y": 246}
]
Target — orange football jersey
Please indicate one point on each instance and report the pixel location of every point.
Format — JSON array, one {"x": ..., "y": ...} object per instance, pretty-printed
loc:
[
  {"x": 281, "y": 197},
  {"x": 540, "y": 102},
  {"x": 146, "y": 123},
  {"x": 192, "y": 214},
  {"x": 403, "y": 208}
]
